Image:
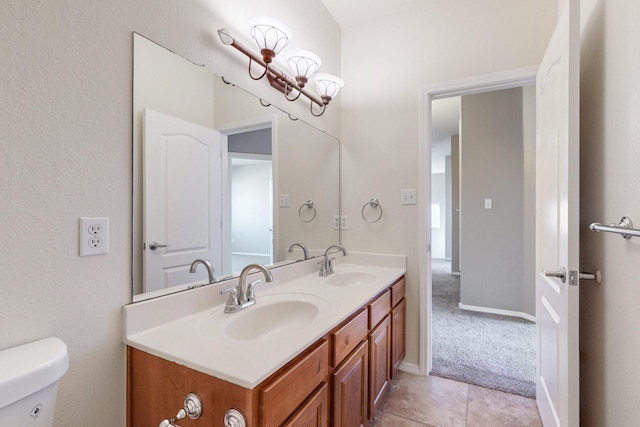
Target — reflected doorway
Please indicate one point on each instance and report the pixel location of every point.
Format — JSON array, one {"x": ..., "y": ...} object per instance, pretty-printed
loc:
[{"x": 250, "y": 198}]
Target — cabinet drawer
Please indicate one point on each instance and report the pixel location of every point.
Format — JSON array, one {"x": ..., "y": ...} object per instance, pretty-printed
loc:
[
  {"x": 280, "y": 399},
  {"x": 345, "y": 339},
  {"x": 397, "y": 292},
  {"x": 379, "y": 308}
]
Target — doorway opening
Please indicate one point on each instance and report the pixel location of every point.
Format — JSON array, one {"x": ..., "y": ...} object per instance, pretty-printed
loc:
[
  {"x": 464, "y": 221},
  {"x": 249, "y": 195}
]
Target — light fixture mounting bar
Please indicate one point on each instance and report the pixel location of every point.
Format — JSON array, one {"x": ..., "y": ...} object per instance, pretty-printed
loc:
[{"x": 228, "y": 39}]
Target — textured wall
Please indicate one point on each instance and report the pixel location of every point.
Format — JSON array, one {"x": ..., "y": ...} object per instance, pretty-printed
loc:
[{"x": 65, "y": 143}]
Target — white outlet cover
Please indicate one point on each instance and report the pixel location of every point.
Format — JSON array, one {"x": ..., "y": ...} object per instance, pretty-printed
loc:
[
  {"x": 93, "y": 236},
  {"x": 408, "y": 196}
]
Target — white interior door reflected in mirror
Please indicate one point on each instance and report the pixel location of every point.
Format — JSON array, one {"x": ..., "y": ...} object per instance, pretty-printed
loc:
[{"x": 182, "y": 187}]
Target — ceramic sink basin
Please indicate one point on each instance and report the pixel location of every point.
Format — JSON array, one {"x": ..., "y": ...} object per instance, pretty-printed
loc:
[
  {"x": 350, "y": 278},
  {"x": 272, "y": 317}
]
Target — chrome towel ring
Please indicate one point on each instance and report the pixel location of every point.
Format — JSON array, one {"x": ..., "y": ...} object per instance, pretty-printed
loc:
[
  {"x": 373, "y": 204},
  {"x": 309, "y": 205}
]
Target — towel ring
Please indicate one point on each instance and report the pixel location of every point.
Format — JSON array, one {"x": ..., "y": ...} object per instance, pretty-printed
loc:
[
  {"x": 373, "y": 203},
  {"x": 309, "y": 205}
]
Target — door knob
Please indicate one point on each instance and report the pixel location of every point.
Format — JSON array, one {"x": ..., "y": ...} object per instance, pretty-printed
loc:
[
  {"x": 561, "y": 274},
  {"x": 155, "y": 245}
]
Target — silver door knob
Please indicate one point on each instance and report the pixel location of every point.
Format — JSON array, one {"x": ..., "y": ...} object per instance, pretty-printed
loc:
[
  {"x": 155, "y": 245},
  {"x": 561, "y": 274}
]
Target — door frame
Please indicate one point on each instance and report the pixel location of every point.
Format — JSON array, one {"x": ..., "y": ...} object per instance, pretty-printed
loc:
[{"x": 468, "y": 86}]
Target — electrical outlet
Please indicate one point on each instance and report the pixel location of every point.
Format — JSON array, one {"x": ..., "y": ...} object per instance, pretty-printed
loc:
[
  {"x": 408, "y": 197},
  {"x": 95, "y": 229},
  {"x": 93, "y": 236},
  {"x": 336, "y": 222},
  {"x": 344, "y": 222}
]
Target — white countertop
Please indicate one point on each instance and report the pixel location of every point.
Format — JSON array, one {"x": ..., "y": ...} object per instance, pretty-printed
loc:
[{"x": 183, "y": 329}]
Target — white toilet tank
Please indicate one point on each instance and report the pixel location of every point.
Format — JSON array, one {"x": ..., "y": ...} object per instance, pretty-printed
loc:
[{"x": 29, "y": 377}]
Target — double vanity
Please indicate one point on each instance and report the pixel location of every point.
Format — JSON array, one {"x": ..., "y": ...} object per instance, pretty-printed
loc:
[{"x": 312, "y": 350}]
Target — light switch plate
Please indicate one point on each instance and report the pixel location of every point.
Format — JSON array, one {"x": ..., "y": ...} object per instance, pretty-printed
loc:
[
  {"x": 488, "y": 203},
  {"x": 284, "y": 201}
]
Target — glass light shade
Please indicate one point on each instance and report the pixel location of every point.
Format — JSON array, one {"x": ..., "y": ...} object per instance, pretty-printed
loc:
[
  {"x": 328, "y": 85},
  {"x": 270, "y": 34},
  {"x": 304, "y": 64}
]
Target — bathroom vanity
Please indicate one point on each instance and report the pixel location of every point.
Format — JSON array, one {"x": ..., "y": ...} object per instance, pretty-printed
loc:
[{"x": 312, "y": 351}]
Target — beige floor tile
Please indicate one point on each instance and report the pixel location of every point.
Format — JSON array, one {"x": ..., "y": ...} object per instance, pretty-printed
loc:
[
  {"x": 383, "y": 419},
  {"x": 493, "y": 408},
  {"x": 428, "y": 400}
]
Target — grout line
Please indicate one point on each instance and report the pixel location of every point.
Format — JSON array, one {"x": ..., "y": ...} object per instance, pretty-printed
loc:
[{"x": 466, "y": 412}]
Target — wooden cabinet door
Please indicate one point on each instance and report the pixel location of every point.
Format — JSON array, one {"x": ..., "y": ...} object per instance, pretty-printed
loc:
[
  {"x": 291, "y": 388},
  {"x": 398, "y": 335},
  {"x": 351, "y": 388},
  {"x": 379, "y": 363},
  {"x": 315, "y": 412}
]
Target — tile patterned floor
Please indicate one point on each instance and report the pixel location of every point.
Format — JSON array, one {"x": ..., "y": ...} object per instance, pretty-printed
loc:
[{"x": 415, "y": 401}]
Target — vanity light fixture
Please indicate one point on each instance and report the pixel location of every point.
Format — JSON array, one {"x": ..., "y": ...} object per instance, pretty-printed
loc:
[{"x": 272, "y": 37}]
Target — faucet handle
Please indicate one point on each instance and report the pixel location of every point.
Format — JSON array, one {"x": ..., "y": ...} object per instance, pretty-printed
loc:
[
  {"x": 233, "y": 296},
  {"x": 251, "y": 296}
]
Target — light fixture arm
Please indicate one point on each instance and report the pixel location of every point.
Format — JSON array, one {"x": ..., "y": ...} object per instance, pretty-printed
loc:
[
  {"x": 270, "y": 70},
  {"x": 266, "y": 69},
  {"x": 324, "y": 107},
  {"x": 288, "y": 89}
]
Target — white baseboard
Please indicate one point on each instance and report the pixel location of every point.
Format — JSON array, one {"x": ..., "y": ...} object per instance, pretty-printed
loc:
[
  {"x": 410, "y": 368},
  {"x": 520, "y": 314}
]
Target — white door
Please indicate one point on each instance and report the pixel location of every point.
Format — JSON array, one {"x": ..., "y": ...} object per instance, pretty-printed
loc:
[
  {"x": 557, "y": 241},
  {"x": 182, "y": 188}
]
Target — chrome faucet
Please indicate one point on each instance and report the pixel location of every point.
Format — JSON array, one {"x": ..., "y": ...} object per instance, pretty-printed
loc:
[
  {"x": 301, "y": 246},
  {"x": 242, "y": 295},
  {"x": 208, "y": 266},
  {"x": 326, "y": 264}
]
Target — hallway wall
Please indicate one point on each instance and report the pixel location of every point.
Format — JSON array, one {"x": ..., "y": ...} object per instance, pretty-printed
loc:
[{"x": 492, "y": 242}]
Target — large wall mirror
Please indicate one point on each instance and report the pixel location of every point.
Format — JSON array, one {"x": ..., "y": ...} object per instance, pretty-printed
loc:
[{"x": 219, "y": 176}]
